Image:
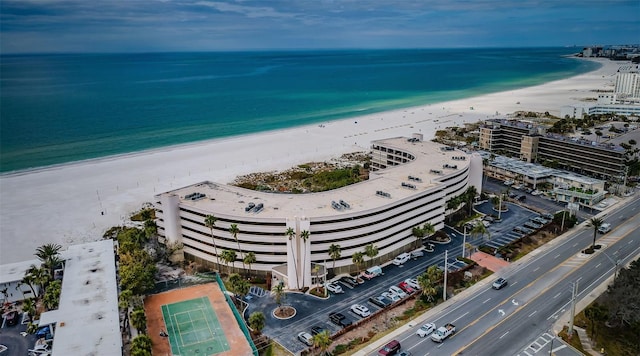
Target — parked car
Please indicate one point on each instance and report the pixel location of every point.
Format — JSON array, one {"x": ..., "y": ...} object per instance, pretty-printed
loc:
[
  {"x": 340, "y": 319},
  {"x": 401, "y": 259},
  {"x": 406, "y": 287},
  {"x": 11, "y": 318},
  {"x": 404, "y": 353},
  {"x": 334, "y": 288},
  {"x": 426, "y": 330},
  {"x": 361, "y": 310},
  {"x": 508, "y": 182},
  {"x": 417, "y": 253},
  {"x": 413, "y": 283},
  {"x": 380, "y": 301},
  {"x": 315, "y": 330},
  {"x": 390, "y": 349},
  {"x": 350, "y": 281},
  {"x": 536, "y": 192},
  {"x": 547, "y": 216},
  {"x": 306, "y": 338},
  {"x": 391, "y": 296},
  {"x": 499, "y": 283},
  {"x": 397, "y": 291},
  {"x": 372, "y": 272}
]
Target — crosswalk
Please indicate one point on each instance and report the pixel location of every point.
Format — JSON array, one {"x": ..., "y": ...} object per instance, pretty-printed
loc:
[{"x": 539, "y": 345}]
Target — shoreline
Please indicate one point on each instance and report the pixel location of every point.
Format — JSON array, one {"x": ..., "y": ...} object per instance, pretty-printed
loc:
[
  {"x": 354, "y": 114},
  {"x": 76, "y": 202}
]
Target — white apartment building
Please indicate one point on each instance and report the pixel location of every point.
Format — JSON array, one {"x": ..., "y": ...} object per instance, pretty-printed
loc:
[
  {"x": 628, "y": 81},
  {"x": 409, "y": 184}
]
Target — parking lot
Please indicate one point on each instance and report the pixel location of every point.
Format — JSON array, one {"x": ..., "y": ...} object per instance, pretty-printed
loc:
[{"x": 313, "y": 311}]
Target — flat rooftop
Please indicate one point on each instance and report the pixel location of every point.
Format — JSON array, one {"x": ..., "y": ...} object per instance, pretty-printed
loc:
[
  {"x": 13, "y": 272},
  {"x": 87, "y": 319},
  {"x": 361, "y": 196}
]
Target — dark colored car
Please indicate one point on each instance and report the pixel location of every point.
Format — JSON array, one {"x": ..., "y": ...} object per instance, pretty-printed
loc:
[
  {"x": 11, "y": 318},
  {"x": 340, "y": 320},
  {"x": 350, "y": 281},
  {"x": 380, "y": 301},
  {"x": 315, "y": 330},
  {"x": 390, "y": 349}
]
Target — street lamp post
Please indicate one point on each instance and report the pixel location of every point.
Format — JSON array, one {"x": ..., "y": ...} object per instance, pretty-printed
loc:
[
  {"x": 616, "y": 263},
  {"x": 464, "y": 241}
]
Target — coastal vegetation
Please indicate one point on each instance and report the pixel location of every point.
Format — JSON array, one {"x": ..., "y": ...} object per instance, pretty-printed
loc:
[{"x": 311, "y": 177}]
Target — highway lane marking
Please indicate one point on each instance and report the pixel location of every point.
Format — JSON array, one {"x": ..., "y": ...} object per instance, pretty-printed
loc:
[
  {"x": 503, "y": 335},
  {"x": 530, "y": 315},
  {"x": 558, "y": 255},
  {"x": 460, "y": 317},
  {"x": 513, "y": 284},
  {"x": 538, "y": 267},
  {"x": 557, "y": 295},
  {"x": 489, "y": 329},
  {"x": 598, "y": 265},
  {"x": 575, "y": 244},
  {"x": 629, "y": 243},
  {"x": 488, "y": 299}
]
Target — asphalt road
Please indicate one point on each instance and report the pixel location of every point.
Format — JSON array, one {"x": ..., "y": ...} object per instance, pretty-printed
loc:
[{"x": 507, "y": 321}]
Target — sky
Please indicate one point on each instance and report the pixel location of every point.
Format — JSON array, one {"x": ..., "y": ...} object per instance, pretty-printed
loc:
[{"x": 45, "y": 26}]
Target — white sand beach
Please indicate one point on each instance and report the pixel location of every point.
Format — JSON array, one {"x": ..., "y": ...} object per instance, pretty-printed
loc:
[{"x": 64, "y": 204}]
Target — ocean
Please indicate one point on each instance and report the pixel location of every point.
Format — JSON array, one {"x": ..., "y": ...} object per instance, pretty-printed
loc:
[{"x": 62, "y": 108}]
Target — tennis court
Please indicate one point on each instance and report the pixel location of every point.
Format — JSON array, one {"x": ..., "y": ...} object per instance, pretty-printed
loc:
[{"x": 194, "y": 328}]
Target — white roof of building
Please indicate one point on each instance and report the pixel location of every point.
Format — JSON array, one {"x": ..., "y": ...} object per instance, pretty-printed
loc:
[
  {"x": 360, "y": 196},
  {"x": 87, "y": 320},
  {"x": 14, "y": 272}
]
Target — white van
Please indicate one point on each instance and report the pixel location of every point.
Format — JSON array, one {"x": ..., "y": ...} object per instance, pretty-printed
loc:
[
  {"x": 604, "y": 228},
  {"x": 372, "y": 272}
]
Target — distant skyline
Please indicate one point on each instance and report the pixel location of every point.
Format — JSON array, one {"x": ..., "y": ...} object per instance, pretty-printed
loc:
[{"x": 45, "y": 26}]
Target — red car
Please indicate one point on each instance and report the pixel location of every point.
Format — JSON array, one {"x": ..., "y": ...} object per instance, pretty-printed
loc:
[{"x": 406, "y": 288}]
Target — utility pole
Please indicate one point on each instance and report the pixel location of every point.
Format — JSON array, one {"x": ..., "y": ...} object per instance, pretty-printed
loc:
[
  {"x": 444, "y": 291},
  {"x": 464, "y": 241},
  {"x": 500, "y": 206},
  {"x": 574, "y": 293},
  {"x": 564, "y": 213}
]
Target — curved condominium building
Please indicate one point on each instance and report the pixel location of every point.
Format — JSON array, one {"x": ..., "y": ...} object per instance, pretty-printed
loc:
[{"x": 409, "y": 184}]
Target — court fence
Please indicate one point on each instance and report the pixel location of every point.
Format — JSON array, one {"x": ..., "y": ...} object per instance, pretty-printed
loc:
[{"x": 237, "y": 315}]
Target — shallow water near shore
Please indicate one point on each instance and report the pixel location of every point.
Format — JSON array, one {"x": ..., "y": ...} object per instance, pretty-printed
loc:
[{"x": 65, "y": 108}]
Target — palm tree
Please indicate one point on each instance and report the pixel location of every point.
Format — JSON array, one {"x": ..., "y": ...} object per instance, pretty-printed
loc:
[
  {"x": 334, "y": 252},
  {"x": 428, "y": 230},
  {"x": 426, "y": 286},
  {"x": 469, "y": 196},
  {"x": 322, "y": 341},
  {"x": 49, "y": 255},
  {"x": 141, "y": 345},
  {"x": 210, "y": 222},
  {"x": 29, "y": 306},
  {"x": 480, "y": 231},
  {"x": 357, "y": 258},
  {"x": 595, "y": 223},
  {"x": 234, "y": 230},
  {"x": 418, "y": 233},
  {"x": 249, "y": 258},
  {"x": 304, "y": 235},
  {"x": 278, "y": 291},
  {"x": 40, "y": 277},
  {"x": 290, "y": 233},
  {"x": 139, "y": 320},
  {"x": 29, "y": 280},
  {"x": 150, "y": 228},
  {"x": 257, "y": 321},
  {"x": 51, "y": 297},
  {"x": 371, "y": 251},
  {"x": 228, "y": 256},
  {"x": 435, "y": 274}
]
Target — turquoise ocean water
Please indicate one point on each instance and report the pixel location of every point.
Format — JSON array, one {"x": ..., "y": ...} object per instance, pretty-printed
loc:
[{"x": 56, "y": 109}]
